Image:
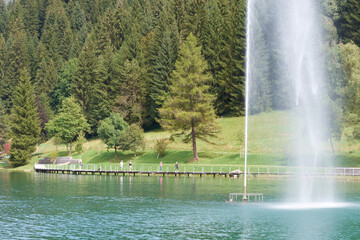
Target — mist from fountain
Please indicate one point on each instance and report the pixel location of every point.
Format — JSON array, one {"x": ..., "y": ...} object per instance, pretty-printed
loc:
[{"x": 285, "y": 69}]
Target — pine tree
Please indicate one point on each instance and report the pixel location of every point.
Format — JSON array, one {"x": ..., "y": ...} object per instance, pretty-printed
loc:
[
  {"x": 349, "y": 21},
  {"x": 130, "y": 102},
  {"x": 161, "y": 59},
  {"x": 65, "y": 84},
  {"x": 31, "y": 17},
  {"x": 99, "y": 103},
  {"x": 85, "y": 76},
  {"x": 121, "y": 25},
  {"x": 57, "y": 33},
  {"x": 189, "y": 105},
  {"x": 4, "y": 128},
  {"x": 25, "y": 123},
  {"x": 3, "y": 17},
  {"x": 46, "y": 76},
  {"x": 160, "y": 83},
  {"x": 3, "y": 81},
  {"x": 17, "y": 59}
]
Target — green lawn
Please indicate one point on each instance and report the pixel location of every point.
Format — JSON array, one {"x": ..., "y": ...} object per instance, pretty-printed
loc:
[{"x": 269, "y": 137}]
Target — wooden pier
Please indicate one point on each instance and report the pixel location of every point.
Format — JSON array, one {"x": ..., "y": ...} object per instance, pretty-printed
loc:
[
  {"x": 79, "y": 171},
  {"x": 43, "y": 169}
]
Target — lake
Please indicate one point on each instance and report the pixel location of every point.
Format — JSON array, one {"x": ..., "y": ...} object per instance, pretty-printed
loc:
[{"x": 56, "y": 206}]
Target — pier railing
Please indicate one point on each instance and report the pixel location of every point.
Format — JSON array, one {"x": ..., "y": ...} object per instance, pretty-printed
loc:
[{"x": 198, "y": 169}]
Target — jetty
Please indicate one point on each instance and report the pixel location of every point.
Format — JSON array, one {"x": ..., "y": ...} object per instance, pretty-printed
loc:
[{"x": 94, "y": 169}]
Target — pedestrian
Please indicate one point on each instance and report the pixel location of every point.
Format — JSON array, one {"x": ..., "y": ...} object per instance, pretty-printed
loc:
[
  {"x": 161, "y": 166},
  {"x": 176, "y": 166},
  {"x": 121, "y": 165},
  {"x": 130, "y": 166}
]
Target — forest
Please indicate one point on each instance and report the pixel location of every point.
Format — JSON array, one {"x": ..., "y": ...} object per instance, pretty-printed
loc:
[{"x": 94, "y": 58}]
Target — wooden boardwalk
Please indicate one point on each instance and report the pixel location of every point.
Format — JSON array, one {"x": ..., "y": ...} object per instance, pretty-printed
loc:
[
  {"x": 133, "y": 173},
  {"x": 53, "y": 169}
]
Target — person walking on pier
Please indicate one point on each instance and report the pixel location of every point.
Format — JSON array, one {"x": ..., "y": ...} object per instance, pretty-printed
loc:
[
  {"x": 130, "y": 166},
  {"x": 121, "y": 165},
  {"x": 176, "y": 166},
  {"x": 161, "y": 166}
]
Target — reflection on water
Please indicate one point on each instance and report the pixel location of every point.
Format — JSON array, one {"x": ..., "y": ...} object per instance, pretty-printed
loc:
[{"x": 113, "y": 207}]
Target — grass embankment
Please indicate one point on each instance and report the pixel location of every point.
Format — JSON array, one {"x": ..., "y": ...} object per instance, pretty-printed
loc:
[{"x": 268, "y": 140}]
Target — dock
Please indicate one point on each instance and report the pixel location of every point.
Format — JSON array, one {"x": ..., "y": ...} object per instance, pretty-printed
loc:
[
  {"x": 132, "y": 173},
  {"x": 72, "y": 169}
]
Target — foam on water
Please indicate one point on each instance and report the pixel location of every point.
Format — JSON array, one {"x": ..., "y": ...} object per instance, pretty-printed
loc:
[{"x": 312, "y": 205}]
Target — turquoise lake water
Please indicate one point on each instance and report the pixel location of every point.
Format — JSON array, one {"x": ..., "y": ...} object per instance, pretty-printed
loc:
[{"x": 55, "y": 206}]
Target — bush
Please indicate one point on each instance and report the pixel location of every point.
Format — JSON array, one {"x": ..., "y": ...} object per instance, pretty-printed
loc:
[
  {"x": 161, "y": 146},
  {"x": 53, "y": 155}
]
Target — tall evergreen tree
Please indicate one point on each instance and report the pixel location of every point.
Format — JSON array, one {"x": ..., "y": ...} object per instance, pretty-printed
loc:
[
  {"x": 349, "y": 21},
  {"x": 130, "y": 102},
  {"x": 46, "y": 76},
  {"x": 3, "y": 81},
  {"x": 65, "y": 84},
  {"x": 25, "y": 123},
  {"x": 161, "y": 59},
  {"x": 4, "y": 128},
  {"x": 99, "y": 103},
  {"x": 31, "y": 17},
  {"x": 85, "y": 76},
  {"x": 189, "y": 105},
  {"x": 3, "y": 17},
  {"x": 17, "y": 59},
  {"x": 57, "y": 32}
]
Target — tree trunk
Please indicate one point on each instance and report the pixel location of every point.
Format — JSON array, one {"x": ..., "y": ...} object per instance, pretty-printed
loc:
[
  {"x": 115, "y": 153},
  {"x": 194, "y": 143},
  {"x": 135, "y": 153}
]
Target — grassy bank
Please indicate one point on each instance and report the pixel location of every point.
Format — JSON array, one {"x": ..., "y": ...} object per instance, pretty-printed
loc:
[{"x": 269, "y": 139}]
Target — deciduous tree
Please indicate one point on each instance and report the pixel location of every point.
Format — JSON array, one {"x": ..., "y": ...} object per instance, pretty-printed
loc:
[{"x": 111, "y": 129}]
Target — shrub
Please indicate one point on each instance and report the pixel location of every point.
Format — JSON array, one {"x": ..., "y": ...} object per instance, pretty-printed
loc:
[{"x": 161, "y": 146}]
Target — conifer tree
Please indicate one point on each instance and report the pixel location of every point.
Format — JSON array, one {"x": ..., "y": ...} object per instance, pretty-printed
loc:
[
  {"x": 25, "y": 123},
  {"x": 31, "y": 17},
  {"x": 4, "y": 128},
  {"x": 56, "y": 32},
  {"x": 46, "y": 76},
  {"x": 349, "y": 21},
  {"x": 188, "y": 107},
  {"x": 65, "y": 84},
  {"x": 130, "y": 102},
  {"x": 17, "y": 59},
  {"x": 99, "y": 103},
  {"x": 161, "y": 58},
  {"x": 3, "y": 81},
  {"x": 85, "y": 76},
  {"x": 3, "y": 17}
]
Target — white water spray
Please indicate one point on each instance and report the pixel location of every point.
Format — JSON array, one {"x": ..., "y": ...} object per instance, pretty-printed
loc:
[
  {"x": 292, "y": 52},
  {"x": 247, "y": 77}
]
